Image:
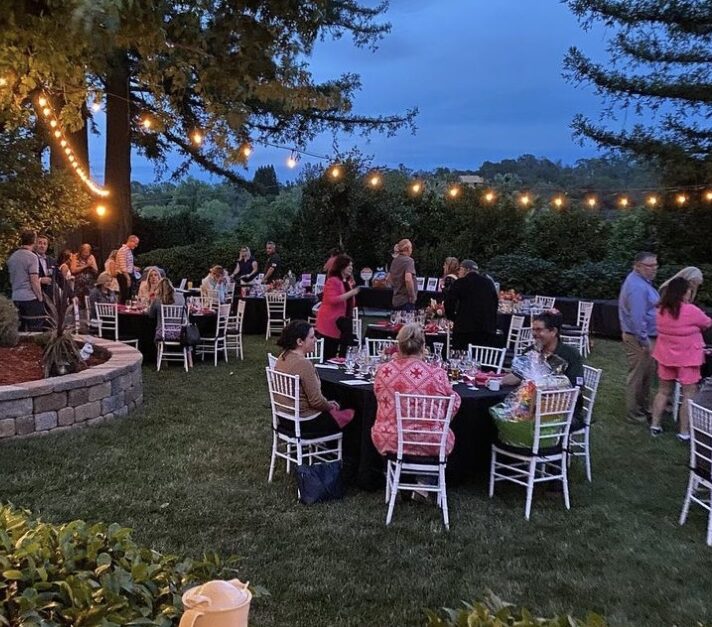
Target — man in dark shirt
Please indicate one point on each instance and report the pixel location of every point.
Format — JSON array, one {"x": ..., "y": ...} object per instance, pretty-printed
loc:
[
  {"x": 46, "y": 264},
  {"x": 471, "y": 303},
  {"x": 273, "y": 268}
]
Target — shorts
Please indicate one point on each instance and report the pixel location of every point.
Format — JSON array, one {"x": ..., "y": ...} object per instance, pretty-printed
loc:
[{"x": 686, "y": 375}]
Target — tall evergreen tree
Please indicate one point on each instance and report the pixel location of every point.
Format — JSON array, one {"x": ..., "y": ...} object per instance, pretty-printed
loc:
[
  {"x": 265, "y": 181},
  {"x": 660, "y": 62}
]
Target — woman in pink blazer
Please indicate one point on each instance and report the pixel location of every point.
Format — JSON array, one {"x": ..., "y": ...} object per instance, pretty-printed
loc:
[
  {"x": 333, "y": 320},
  {"x": 679, "y": 351}
]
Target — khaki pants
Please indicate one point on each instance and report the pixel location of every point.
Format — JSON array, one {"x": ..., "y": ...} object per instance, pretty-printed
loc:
[{"x": 641, "y": 368}]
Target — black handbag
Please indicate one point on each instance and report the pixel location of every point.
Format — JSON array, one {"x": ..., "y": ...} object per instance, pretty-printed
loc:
[
  {"x": 190, "y": 335},
  {"x": 320, "y": 482}
]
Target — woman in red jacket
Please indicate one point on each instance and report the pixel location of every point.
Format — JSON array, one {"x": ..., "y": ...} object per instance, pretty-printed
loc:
[
  {"x": 679, "y": 351},
  {"x": 333, "y": 320}
]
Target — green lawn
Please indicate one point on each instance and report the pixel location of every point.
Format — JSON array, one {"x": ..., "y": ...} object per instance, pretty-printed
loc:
[{"x": 189, "y": 473}]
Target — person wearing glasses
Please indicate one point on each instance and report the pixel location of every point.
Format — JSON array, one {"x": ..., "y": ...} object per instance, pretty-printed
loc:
[{"x": 637, "y": 304}]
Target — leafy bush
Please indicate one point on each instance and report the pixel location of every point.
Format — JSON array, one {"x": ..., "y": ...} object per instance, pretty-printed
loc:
[
  {"x": 523, "y": 273},
  {"x": 182, "y": 229},
  {"x": 90, "y": 574},
  {"x": 9, "y": 322},
  {"x": 631, "y": 232},
  {"x": 594, "y": 279},
  {"x": 493, "y": 612}
]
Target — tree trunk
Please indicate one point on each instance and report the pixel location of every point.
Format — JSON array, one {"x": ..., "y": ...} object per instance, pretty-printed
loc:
[{"x": 116, "y": 224}]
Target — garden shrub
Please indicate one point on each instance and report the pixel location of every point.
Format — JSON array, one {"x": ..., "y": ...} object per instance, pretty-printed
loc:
[
  {"x": 524, "y": 273},
  {"x": 9, "y": 322},
  {"x": 91, "y": 574},
  {"x": 594, "y": 279}
]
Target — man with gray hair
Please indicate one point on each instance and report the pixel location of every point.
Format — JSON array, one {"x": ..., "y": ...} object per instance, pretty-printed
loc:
[{"x": 636, "y": 312}]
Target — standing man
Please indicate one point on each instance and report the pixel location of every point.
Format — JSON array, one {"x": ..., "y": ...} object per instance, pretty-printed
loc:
[
  {"x": 273, "y": 268},
  {"x": 471, "y": 303},
  {"x": 46, "y": 264},
  {"x": 402, "y": 277},
  {"x": 23, "y": 266},
  {"x": 125, "y": 268},
  {"x": 636, "y": 312}
]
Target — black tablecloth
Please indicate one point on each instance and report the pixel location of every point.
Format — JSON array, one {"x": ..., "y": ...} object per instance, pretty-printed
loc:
[
  {"x": 473, "y": 427},
  {"x": 143, "y": 328},
  {"x": 382, "y": 298},
  {"x": 255, "y": 321},
  {"x": 376, "y": 331}
]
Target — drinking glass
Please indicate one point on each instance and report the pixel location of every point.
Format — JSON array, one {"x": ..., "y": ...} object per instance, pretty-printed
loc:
[
  {"x": 350, "y": 361},
  {"x": 394, "y": 317}
]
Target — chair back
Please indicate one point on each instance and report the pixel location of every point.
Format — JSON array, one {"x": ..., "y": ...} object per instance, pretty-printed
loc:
[
  {"x": 239, "y": 316},
  {"x": 487, "y": 356},
  {"x": 432, "y": 285},
  {"x": 591, "y": 379},
  {"x": 583, "y": 318},
  {"x": 515, "y": 327},
  {"x": 223, "y": 314},
  {"x": 376, "y": 346},
  {"x": 172, "y": 319},
  {"x": 420, "y": 283},
  {"x": 318, "y": 355},
  {"x": 199, "y": 302},
  {"x": 108, "y": 316},
  {"x": 284, "y": 399},
  {"x": 423, "y": 422},
  {"x": 182, "y": 284},
  {"x": 577, "y": 341},
  {"x": 700, "y": 441},
  {"x": 276, "y": 305},
  {"x": 496, "y": 286},
  {"x": 544, "y": 302},
  {"x": 526, "y": 339},
  {"x": 552, "y": 420},
  {"x": 320, "y": 280},
  {"x": 211, "y": 299},
  {"x": 271, "y": 360}
]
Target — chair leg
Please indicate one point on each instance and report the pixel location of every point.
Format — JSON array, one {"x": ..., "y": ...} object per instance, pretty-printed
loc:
[
  {"x": 691, "y": 484},
  {"x": 709, "y": 523},
  {"x": 530, "y": 489},
  {"x": 442, "y": 496},
  {"x": 492, "y": 464},
  {"x": 394, "y": 493},
  {"x": 565, "y": 482},
  {"x": 185, "y": 358},
  {"x": 159, "y": 357},
  {"x": 388, "y": 481},
  {"x": 587, "y": 452},
  {"x": 215, "y": 354},
  {"x": 274, "y": 458}
]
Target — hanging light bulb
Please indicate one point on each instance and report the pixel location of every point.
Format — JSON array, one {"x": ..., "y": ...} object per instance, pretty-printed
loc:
[
  {"x": 146, "y": 123},
  {"x": 63, "y": 143},
  {"x": 197, "y": 138},
  {"x": 101, "y": 210},
  {"x": 454, "y": 191},
  {"x": 623, "y": 202},
  {"x": 558, "y": 202},
  {"x": 46, "y": 111},
  {"x": 416, "y": 187},
  {"x": 293, "y": 159},
  {"x": 42, "y": 101},
  {"x": 681, "y": 199},
  {"x": 96, "y": 106},
  {"x": 335, "y": 172},
  {"x": 489, "y": 196},
  {"x": 525, "y": 199},
  {"x": 652, "y": 200},
  {"x": 58, "y": 133},
  {"x": 374, "y": 180},
  {"x": 591, "y": 201},
  {"x": 3, "y": 81}
]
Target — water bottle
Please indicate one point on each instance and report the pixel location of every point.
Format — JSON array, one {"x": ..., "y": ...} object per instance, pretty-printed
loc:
[{"x": 86, "y": 351}]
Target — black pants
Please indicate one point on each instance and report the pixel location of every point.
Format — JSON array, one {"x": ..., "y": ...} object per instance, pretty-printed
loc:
[
  {"x": 32, "y": 315},
  {"x": 124, "y": 287},
  {"x": 323, "y": 424}
]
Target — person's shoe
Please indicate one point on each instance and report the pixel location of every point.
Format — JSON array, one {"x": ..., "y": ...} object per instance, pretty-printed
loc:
[
  {"x": 656, "y": 431},
  {"x": 637, "y": 420},
  {"x": 683, "y": 437}
]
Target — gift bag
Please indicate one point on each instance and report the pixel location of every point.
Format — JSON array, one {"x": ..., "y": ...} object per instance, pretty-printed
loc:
[
  {"x": 320, "y": 482},
  {"x": 190, "y": 335}
]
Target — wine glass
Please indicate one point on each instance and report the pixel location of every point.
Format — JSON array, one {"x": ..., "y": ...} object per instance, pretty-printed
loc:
[{"x": 350, "y": 361}]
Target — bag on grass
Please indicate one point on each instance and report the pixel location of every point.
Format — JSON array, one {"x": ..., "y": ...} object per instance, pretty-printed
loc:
[
  {"x": 320, "y": 482},
  {"x": 190, "y": 335}
]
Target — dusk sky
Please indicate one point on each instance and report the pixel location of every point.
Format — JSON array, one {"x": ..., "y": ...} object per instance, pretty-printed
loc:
[{"x": 486, "y": 77}]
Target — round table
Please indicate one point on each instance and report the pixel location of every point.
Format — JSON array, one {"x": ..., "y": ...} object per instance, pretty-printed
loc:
[
  {"x": 473, "y": 427},
  {"x": 139, "y": 325},
  {"x": 255, "y": 321}
]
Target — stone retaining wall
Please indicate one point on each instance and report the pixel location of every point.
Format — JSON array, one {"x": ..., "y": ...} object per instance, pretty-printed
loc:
[{"x": 92, "y": 396}]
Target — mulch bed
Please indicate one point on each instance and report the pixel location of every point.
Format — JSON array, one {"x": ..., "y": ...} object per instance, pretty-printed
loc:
[{"x": 23, "y": 362}]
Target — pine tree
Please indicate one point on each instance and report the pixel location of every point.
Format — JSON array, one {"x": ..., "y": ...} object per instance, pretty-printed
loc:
[{"x": 660, "y": 63}]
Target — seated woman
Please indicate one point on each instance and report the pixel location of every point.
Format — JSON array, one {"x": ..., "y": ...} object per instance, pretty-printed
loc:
[
  {"x": 147, "y": 288},
  {"x": 165, "y": 295},
  {"x": 562, "y": 359},
  {"x": 334, "y": 318},
  {"x": 214, "y": 283},
  {"x": 296, "y": 341},
  {"x": 679, "y": 351},
  {"x": 407, "y": 373},
  {"x": 112, "y": 269},
  {"x": 101, "y": 292}
]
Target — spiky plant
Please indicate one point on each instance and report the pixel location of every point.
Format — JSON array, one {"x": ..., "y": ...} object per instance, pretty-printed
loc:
[
  {"x": 9, "y": 323},
  {"x": 61, "y": 348}
]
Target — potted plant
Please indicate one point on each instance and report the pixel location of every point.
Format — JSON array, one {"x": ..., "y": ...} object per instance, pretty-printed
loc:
[{"x": 60, "y": 355}]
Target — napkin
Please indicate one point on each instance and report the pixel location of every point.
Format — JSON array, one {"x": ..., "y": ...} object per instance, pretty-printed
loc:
[
  {"x": 356, "y": 382},
  {"x": 329, "y": 366}
]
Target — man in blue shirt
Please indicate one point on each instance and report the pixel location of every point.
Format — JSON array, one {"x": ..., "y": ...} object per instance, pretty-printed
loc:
[{"x": 636, "y": 312}]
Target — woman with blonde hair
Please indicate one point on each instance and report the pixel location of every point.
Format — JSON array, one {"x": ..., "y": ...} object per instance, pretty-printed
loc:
[
  {"x": 692, "y": 275},
  {"x": 450, "y": 268},
  {"x": 407, "y": 373},
  {"x": 147, "y": 289}
]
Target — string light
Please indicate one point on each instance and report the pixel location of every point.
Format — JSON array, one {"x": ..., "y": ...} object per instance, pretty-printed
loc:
[
  {"x": 374, "y": 180},
  {"x": 416, "y": 187},
  {"x": 489, "y": 196},
  {"x": 623, "y": 202},
  {"x": 454, "y": 191},
  {"x": 525, "y": 200},
  {"x": 335, "y": 172},
  {"x": 101, "y": 210},
  {"x": 96, "y": 106},
  {"x": 3, "y": 81},
  {"x": 558, "y": 202},
  {"x": 292, "y": 159},
  {"x": 146, "y": 123},
  {"x": 246, "y": 149},
  {"x": 197, "y": 138},
  {"x": 681, "y": 199},
  {"x": 652, "y": 201},
  {"x": 708, "y": 196},
  {"x": 43, "y": 102},
  {"x": 591, "y": 201}
]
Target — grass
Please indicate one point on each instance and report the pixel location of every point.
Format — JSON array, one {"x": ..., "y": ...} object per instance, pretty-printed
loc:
[{"x": 189, "y": 474}]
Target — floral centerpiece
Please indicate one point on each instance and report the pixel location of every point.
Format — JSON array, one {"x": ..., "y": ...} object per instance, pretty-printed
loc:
[{"x": 434, "y": 310}]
